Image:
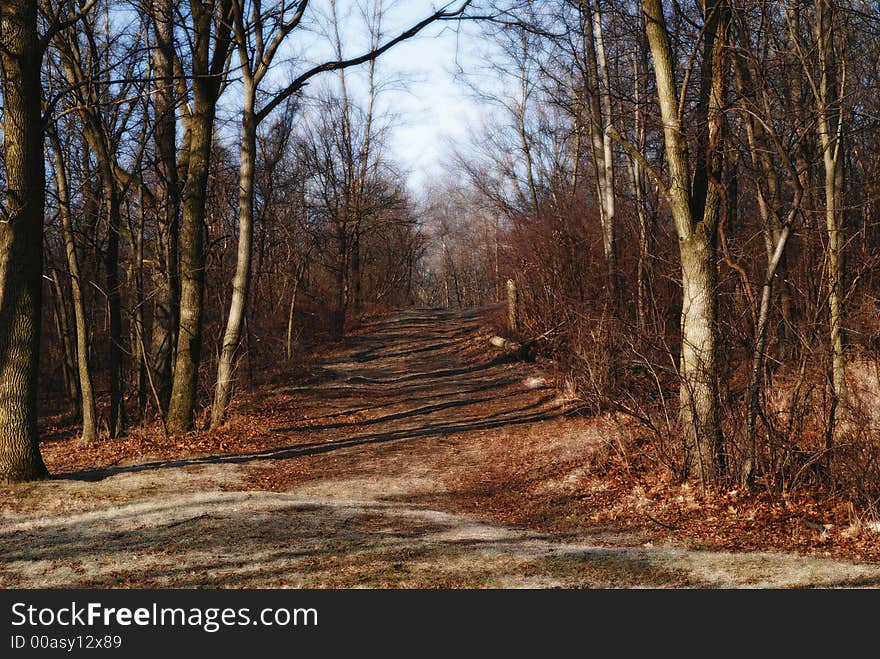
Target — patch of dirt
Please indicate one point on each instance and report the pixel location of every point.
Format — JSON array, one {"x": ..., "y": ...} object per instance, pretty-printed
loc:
[{"x": 413, "y": 456}]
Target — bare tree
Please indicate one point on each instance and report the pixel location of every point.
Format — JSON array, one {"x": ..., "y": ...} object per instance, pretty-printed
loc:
[
  {"x": 829, "y": 95},
  {"x": 597, "y": 100},
  {"x": 211, "y": 39},
  {"x": 694, "y": 199},
  {"x": 84, "y": 372},
  {"x": 84, "y": 56},
  {"x": 166, "y": 307}
]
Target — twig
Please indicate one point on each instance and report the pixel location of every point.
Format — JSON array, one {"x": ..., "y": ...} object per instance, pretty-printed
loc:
[
  {"x": 188, "y": 519},
  {"x": 663, "y": 524}
]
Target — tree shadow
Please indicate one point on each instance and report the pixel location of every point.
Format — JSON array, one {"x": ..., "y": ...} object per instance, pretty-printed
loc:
[
  {"x": 531, "y": 413},
  {"x": 229, "y": 541},
  {"x": 439, "y": 373},
  {"x": 498, "y": 383},
  {"x": 396, "y": 416}
]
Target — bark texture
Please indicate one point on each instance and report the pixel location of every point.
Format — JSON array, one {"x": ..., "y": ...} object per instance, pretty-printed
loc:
[
  {"x": 21, "y": 238},
  {"x": 208, "y": 63},
  {"x": 695, "y": 206},
  {"x": 166, "y": 279},
  {"x": 242, "y": 278}
]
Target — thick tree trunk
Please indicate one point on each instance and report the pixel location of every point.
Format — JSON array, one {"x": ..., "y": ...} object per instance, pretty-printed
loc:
[
  {"x": 21, "y": 242},
  {"x": 698, "y": 370},
  {"x": 166, "y": 278},
  {"x": 207, "y": 67},
  {"x": 695, "y": 210},
  {"x": 242, "y": 278},
  {"x": 192, "y": 271}
]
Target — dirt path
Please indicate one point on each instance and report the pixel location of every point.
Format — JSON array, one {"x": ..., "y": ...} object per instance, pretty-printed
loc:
[{"x": 383, "y": 473}]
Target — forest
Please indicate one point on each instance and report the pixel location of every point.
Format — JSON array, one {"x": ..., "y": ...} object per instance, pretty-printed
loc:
[{"x": 672, "y": 207}]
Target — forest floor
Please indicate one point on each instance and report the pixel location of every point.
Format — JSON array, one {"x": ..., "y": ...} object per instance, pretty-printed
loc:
[{"x": 412, "y": 456}]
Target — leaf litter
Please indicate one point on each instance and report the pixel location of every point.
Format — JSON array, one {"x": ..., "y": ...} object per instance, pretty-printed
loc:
[{"x": 411, "y": 456}]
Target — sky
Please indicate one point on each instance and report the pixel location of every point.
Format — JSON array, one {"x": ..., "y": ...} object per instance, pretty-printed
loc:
[
  {"x": 438, "y": 110},
  {"x": 434, "y": 109}
]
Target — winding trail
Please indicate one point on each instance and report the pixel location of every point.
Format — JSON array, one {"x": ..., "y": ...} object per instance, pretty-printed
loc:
[{"x": 357, "y": 488}]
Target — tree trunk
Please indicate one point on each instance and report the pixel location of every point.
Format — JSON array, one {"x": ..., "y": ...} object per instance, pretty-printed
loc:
[
  {"x": 637, "y": 179},
  {"x": 830, "y": 126},
  {"x": 206, "y": 83},
  {"x": 525, "y": 140},
  {"x": 241, "y": 280},
  {"x": 755, "y": 379},
  {"x": 699, "y": 389},
  {"x": 62, "y": 328},
  {"x": 598, "y": 101},
  {"x": 192, "y": 271},
  {"x": 511, "y": 306},
  {"x": 136, "y": 331},
  {"x": 21, "y": 242},
  {"x": 290, "y": 314},
  {"x": 114, "y": 304},
  {"x": 695, "y": 211},
  {"x": 339, "y": 312},
  {"x": 761, "y": 142},
  {"x": 337, "y": 322},
  {"x": 356, "y": 270},
  {"x": 87, "y": 394},
  {"x": 102, "y": 145},
  {"x": 609, "y": 241},
  {"x": 166, "y": 278}
]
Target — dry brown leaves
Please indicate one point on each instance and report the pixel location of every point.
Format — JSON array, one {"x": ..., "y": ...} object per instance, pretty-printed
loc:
[{"x": 565, "y": 476}]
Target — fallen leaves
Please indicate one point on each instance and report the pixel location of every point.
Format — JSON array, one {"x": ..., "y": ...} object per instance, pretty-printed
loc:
[{"x": 570, "y": 475}]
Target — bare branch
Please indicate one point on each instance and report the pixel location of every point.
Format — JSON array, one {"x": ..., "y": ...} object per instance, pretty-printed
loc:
[{"x": 298, "y": 83}]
